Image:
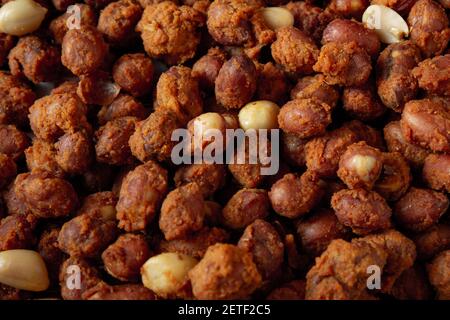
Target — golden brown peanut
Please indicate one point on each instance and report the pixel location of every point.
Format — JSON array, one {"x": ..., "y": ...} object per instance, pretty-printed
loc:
[
  {"x": 20, "y": 17},
  {"x": 167, "y": 273},
  {"x": 23, "y": 269}
]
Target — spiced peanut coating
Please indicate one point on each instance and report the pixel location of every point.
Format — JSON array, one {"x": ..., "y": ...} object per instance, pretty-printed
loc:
[
  {"x": 178, "y": 91},
  {"x": 152, "y": 136},
  {"x": 396, "y": 142},
  {"x": 206, "y": 69},
  {"x": 50, "y": 252},
  {"x": 58, "y": 26},
  {"x": 362, "y": 102},
  {"x": 293, "y": 196},
  {"x": 83, "y": 50},
  {"x": 15, "y": 100},
  {"x": 419, "y": 209},
  {"x": 433, "y": 75},
  {"x": 87, "y": 235},
  {"x": 315, "y": 87},
  {"x": 360, "y": 166},
  {"x": 74, "y": 152},
  {"x": 170, "y": 32},
  {"x": 236, "y": 82},
  {"x": 141, "y": 195},
  {"x": 438, "y": 273},
  {"x": 401, "y": 253},
  {"x": 344, "y": 64},
  {"x": 13, "y": 204},
  {"x": 45, "y": 195},
  {"x": 225, "y": 272},
  {"x": 363, "y": 211},
  {"x": 273, "y": 84},
  {"x": 209, "y": 177},
  {"x": 340, "y": 273},
  {"x": 395, "y": 83},
  {"x": 436, "y": 172},
  {"x": 69, "y": 86},
  {"x": 99, "y": 204},
  {"x": 244, "y": 207},
  {"x": 97, "y": 88},
  {"x": 196, "y": 244},
  {"x": 32, "y": 58},
  {"x": 295, "y": 51},
  {"x": 13, "y": 142},
  {"x": 103, "y": 291},
  {"x": 425, "y": 123},
  {"x": 124, "y": 258},
  {"x": 343, "y": 30},
  {"x": 262, "y": 240},
  {"x": 89, "y": 277},
  {"x": 182, "y": 212},
  {"x": 8, "y": 169},
  {"x": 41, "y": 155},
  {"x": 56, "y": 114},
  {"x": 134, "y": 73},
  {"x": 122, "y": 106},
  {"x": 88, "y": 168},
  {"x": 318, "y": 230},
  {"x": 247, "y": 174},
  {"x": 17, "y": 232},
  {"x": 112, "y": 141},
  {"x": 309, "y": 18},
  {"x": 118, "y": 20},
  {"x": 229, "y": 21},
  {"x": 432, "y": 241},
  {"x": 322, "y": 154},
  {"x": 429, "y": 27}
]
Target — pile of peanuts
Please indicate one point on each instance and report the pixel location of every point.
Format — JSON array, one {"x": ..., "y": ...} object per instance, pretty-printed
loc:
[{"x": 94, "y": 207}]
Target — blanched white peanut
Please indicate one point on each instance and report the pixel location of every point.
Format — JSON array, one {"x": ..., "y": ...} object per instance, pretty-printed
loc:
[
  {"x": 166, "y": 273},
  {"x": 20, "y": 17},
  {"x": 206, "y": 121},
  {"x": 262, "y": 114},
  {"x": 23, "y": 269},
  {"x": 205, "y": 128},
  {"x": 363, "y": 165},
  {"x": 277, "y": 17},
  {"x": 387, "y": 23}
]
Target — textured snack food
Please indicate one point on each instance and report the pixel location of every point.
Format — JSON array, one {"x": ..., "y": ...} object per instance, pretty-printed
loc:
[{"x": 224, "y": 149}]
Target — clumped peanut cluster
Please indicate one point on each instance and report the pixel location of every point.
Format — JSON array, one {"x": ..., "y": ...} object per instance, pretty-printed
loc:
[{"x": 90, "y": 94}]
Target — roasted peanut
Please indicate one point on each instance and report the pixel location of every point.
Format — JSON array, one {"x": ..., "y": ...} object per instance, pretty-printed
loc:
[
  {"x": 23, "y": 269},
  {"x": 167, "y": 273}
]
